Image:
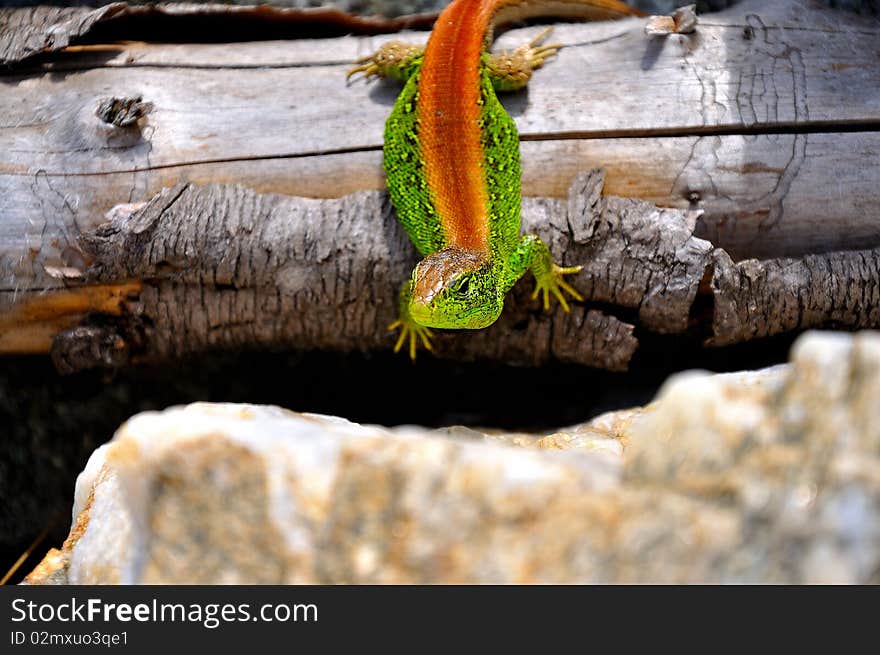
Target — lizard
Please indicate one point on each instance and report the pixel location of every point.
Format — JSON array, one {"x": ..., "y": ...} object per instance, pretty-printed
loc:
[{"x": 452, "y": 165}]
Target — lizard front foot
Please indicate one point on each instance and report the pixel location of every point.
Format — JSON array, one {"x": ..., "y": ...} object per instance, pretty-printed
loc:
[
  {"x": 412, "y": 332},
  {"x": 553, "y": 282}
]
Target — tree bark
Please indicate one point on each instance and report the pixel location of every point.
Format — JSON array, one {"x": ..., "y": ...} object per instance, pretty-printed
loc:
[{"x": 755, "y": 137}]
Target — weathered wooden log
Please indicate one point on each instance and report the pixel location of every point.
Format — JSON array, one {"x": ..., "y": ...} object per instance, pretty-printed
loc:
[
  {"x": 46, "y": 29},
  {"x": 220, "y": 266},
  {"x": 761, "y": 128},
  {"x": 202, "y": 267}
]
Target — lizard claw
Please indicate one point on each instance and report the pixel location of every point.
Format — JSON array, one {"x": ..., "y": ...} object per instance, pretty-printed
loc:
[
  {"x": 511, "y": 71},
  {"x": 392, "y": 59},
  {"x": 535, "y": 53},
  {"x": 367, "y": 66},
  {"x": 412, "y": 332},
  {"x": 553, "y": 283}
]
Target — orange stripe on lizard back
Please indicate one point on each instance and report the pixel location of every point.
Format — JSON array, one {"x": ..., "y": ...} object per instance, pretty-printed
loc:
[
  {"x": 449, "y": 115},
  {"x": 449, "y": 108}
]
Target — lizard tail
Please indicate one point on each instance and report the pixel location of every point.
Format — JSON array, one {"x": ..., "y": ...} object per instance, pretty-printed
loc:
[
  {"x": 513, "y": 10},
  {"x": 510, "y": 11}
]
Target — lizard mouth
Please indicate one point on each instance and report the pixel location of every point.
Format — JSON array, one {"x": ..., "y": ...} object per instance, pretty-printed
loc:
[
  {"x": 430, "y": 315},
  {"x": 422, "y": 313},
  {"x": 448, "y": 292}
]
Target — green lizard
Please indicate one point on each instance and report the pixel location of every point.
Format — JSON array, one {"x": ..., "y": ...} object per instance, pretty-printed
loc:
[{"x": 451, "y": 159}]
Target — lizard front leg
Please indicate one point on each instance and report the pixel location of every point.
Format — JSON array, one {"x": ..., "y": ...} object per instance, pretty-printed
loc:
[
  {"x": 410, "y": 331},
  {"x": 533, "y": 255}
]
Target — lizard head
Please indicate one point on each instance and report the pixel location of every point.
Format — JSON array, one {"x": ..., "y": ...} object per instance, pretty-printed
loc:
[{"x": 455, "y": 288}]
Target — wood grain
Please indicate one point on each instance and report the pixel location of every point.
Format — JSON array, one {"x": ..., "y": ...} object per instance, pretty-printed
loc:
[{"x": 763, "y": 127}]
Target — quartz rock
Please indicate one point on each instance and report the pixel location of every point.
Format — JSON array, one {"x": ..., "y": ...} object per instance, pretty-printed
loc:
[{"x": 768, "y": 476}]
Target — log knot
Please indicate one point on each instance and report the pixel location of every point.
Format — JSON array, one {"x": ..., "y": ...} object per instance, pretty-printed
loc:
[
  {"x": 123, "y": 111},
  {"x": 102, "y": 341}
]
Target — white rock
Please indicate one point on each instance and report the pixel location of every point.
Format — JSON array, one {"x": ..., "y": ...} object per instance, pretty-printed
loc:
[{"x": 770, "y": 476}]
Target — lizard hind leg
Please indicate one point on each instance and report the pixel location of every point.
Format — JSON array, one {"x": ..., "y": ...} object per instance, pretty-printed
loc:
[
  {"x": 511, "y": 71},
  {"x": 395, "y": 59}
]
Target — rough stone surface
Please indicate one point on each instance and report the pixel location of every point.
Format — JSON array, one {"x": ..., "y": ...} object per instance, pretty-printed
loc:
[{"x": 769, "y": 476}]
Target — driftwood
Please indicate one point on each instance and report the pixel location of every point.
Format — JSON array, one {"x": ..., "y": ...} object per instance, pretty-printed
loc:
[
  {"x": 46, "y": 29},
  {"x": 758, "y": 133},
  {"x": 222, "y": 266}
]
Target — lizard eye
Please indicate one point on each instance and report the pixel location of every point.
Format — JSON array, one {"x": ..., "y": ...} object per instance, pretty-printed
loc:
[{"x": 464, "y": 287}]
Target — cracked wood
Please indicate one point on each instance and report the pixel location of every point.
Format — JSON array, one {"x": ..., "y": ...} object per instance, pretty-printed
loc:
[
  {"x": 223, "y": 267},
  {"x": 765, "y": 118},
  {"x": 758, "y": 133}
]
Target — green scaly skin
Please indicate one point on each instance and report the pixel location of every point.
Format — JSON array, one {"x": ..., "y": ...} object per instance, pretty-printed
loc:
[{"x": 471, "y": 296}]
